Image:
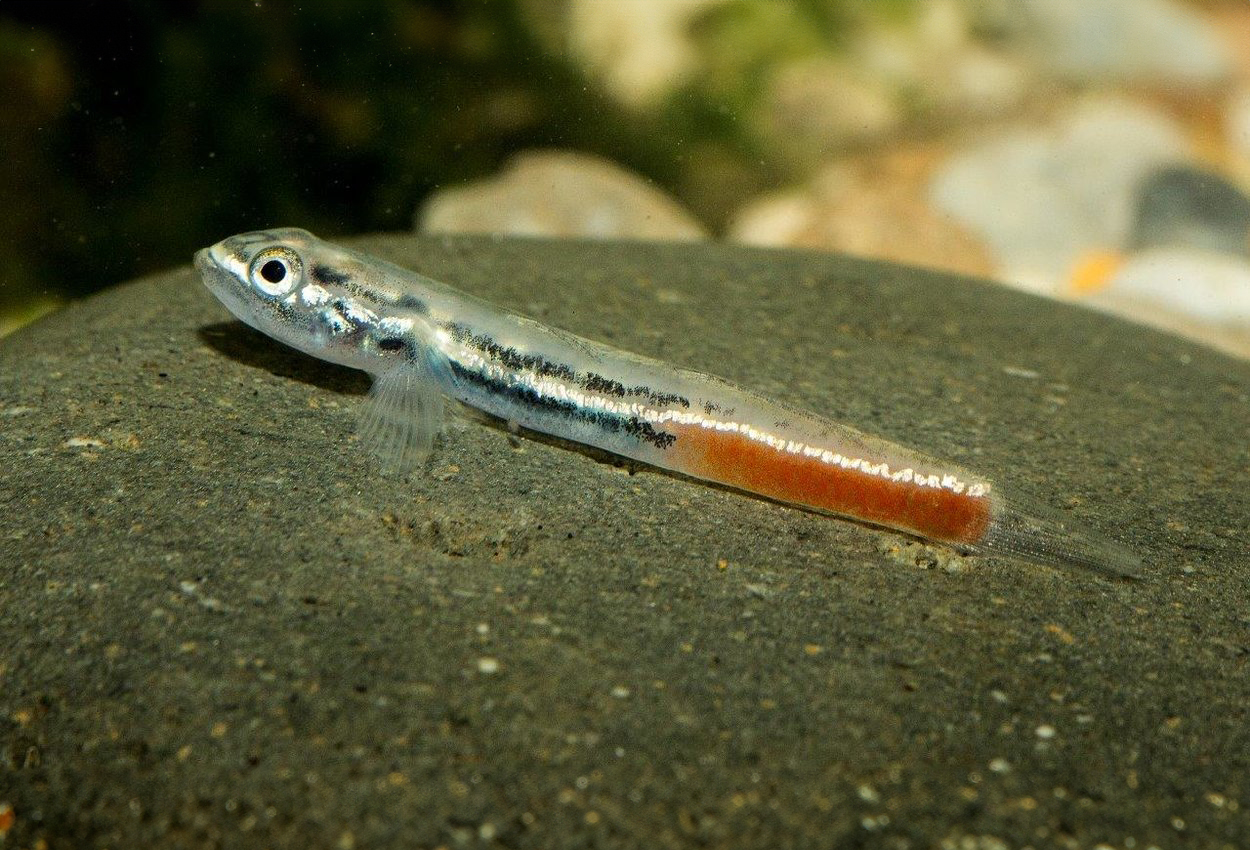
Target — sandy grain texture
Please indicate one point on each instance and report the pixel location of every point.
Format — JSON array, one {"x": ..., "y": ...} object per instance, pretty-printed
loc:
[{"x": 222, "y": 628}]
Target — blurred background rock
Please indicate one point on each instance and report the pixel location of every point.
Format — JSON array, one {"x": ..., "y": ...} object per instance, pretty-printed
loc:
[{"x": 1092, "y": 151}]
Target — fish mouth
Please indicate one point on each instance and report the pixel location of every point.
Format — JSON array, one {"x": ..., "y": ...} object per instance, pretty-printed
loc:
[
  {"x": 219, "y": 268},
  {"x": 213, "y": 272},
  {"x": 219, "y": 258},
  {"x": 204, "y": 261},
  {"x": 221, "y": 280}
]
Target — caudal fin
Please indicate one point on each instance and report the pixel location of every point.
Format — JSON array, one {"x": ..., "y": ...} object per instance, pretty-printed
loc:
[{"x": 1045, "y": 537}]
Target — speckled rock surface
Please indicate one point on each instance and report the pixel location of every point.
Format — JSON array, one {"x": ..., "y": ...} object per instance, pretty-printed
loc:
[{"x": 222, "y": 628}]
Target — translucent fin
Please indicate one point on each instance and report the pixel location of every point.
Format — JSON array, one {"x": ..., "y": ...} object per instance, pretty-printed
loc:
[
  {"x": 1043, "y": 536},
  {"x": 402, "y": 415}
]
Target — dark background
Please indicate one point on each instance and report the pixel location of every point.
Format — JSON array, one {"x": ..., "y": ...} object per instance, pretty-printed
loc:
[{"x": 136, "y": 131}]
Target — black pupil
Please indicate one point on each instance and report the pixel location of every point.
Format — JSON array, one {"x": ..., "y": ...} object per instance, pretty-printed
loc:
[{"x": 273, "y": 271}]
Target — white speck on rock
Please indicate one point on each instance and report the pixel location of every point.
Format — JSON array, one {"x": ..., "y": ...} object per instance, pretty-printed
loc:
[
  {"x": 83, "y": 443},
  {"x": 868, "y": 794}
]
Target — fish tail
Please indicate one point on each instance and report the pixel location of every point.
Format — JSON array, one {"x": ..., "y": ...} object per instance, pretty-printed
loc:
[{"x": 1037, "y": 534}]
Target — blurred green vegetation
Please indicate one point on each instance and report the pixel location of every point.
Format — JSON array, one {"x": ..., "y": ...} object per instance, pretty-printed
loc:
[{"x": 136, "y": 131}]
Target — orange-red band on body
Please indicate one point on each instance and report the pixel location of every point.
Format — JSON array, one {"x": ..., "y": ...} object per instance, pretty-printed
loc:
[{"x": 748, "y": 464}]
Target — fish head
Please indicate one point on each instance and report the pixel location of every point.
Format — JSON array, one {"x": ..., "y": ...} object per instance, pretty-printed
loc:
[{"x": 294, "y": 287}]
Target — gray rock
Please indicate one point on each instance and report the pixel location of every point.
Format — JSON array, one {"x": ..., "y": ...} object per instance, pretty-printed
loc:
[
  {"x": 560, "y": 193},
  {"x": 816, "y": 106},
  {"x": 1042, "y": 197},
  {"x": 1152, "y": 41},
  {"x": 937, "y": 65},
  {"x": 1200, "y": 293},
  {"x": 221, "y": 627}
]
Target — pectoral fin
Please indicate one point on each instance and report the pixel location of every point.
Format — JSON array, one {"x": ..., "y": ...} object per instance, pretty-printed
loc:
[{"x": 403, "y": 414}]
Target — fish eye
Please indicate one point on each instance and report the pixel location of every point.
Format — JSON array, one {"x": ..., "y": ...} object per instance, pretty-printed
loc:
[
  {"x": 273, "y": 271},
  {"x": 276, "y": 271}
]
